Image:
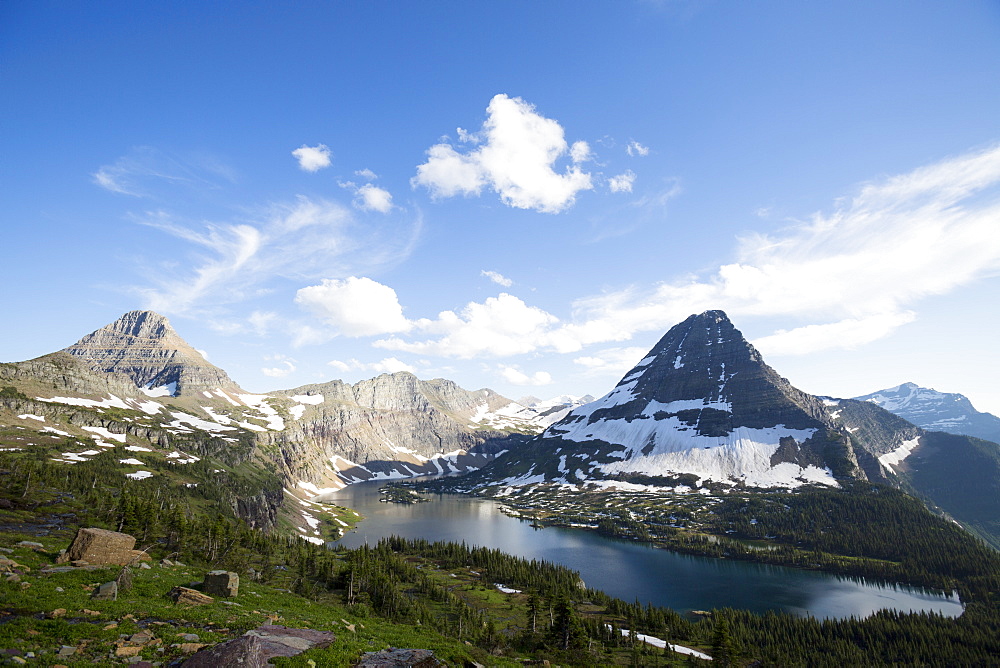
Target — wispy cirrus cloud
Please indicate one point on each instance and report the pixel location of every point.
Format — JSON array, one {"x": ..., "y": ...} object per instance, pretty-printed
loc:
[
  {"x": 305, "y": 239},
  {"x": 145, "y": 170},
  {"x": 634, "y": 148},
  {"x": 850, "y": 277},
  {"x": 497, "y": 278}
]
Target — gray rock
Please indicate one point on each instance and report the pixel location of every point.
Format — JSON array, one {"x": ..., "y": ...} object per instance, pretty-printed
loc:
[
  {"x": 106, "y": 592},
  {"x": 254, "y": 649},
  {"x": 221, "y": 583},
  {"x": 399, "y": 658}
]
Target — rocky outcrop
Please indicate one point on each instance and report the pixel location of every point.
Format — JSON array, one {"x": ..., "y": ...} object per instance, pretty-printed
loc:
[
  {"x": 62, "y": 372},
  {"x": 143, "y": 347},
  {"x": 399, "y": 658},
  {"x": 255, "y": 648}
]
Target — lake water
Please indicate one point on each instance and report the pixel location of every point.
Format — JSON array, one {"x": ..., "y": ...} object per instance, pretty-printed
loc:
[{"x": 630, "y": 570}]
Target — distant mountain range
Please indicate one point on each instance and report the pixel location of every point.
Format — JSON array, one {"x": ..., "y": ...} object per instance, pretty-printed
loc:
[
  {"x": 701, "y": 412},
  {"x": 137, "y": 382},
  {"x": 936, "y": 411}
]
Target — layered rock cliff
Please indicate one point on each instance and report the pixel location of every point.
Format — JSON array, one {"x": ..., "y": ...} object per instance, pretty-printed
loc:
[
  {"x": 143, "y": 347},
  {"x": 395, "y": 425}
]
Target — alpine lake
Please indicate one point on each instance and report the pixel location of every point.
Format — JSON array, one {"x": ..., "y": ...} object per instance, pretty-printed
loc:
[{"x": 631, "y": 570}]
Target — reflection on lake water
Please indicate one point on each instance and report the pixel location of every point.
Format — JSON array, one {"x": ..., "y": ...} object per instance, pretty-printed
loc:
[{"x": 628, "y": 570}]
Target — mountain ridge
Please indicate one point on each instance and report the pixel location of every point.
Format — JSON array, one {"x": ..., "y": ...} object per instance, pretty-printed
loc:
[{"x": 936, "y": 411}]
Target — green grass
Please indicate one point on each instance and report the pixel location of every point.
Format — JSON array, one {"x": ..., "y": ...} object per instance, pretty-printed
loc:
[{"x": 146, "y": 606}]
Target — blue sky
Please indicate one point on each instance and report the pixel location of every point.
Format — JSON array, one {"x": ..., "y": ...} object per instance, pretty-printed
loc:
[{"x": 516, "y": 195}]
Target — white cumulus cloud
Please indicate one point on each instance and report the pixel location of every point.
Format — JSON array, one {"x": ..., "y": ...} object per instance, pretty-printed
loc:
[
  {"x": 611, "y": 360},
  {"x": 279, "y": 371},
  {"x": 515, "y": 376},
  {"x": 387, "y": 365},
  {"x": 515, "y": 156},
  {"x": 355, "y": 306},
  {"x": 372, "y": 198},
  {"x": 622, "y": 183},
  {"x": 312, "y": 158},
  {"x": 501, "y": 326}
]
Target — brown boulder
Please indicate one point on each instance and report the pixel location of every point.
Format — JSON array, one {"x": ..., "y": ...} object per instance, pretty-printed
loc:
[
  {"x": 102, "y": 547},
  {"x": 185, "y": 596}
]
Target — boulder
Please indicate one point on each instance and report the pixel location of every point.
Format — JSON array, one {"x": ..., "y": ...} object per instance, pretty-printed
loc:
[
  {"x": 254, "y": 649},
  {"x": 399, "y": 658},
  {"x": 185, "y": 596},
  {"x": 221, "y": 583},
  {"x": 106, "y": 592},
  {"x": 102, "y": 547}
]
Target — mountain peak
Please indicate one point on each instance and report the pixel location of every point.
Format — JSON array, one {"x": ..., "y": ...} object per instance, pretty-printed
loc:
[
  {"x": 142, "y": 346},
  {"x": 936, "y": 411},
  {"x": 703, "y": 401}
]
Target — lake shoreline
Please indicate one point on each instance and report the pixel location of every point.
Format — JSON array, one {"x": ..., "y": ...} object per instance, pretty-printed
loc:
[{"x": 702, "y": 583}]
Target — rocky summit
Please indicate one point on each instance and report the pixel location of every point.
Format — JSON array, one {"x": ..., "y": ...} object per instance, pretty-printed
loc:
[
  {"x": 142, "y": 346},
  {"x": 701, "y": 402},
  {"x": 936, "y": 411}
]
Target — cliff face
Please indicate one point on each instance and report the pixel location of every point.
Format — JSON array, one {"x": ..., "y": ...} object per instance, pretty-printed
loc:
[
  {"x": 143, "y": 347},
  {"x": 394, "y": 425}
]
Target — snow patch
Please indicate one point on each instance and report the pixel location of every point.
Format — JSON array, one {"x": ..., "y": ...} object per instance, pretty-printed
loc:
[
  {"x": 168, "y": 390},
  {"x": 662, "y": 644},
  {"x": 311, "y": 399},
  {"x": 29, "y": 416},
  {"x": 101, "y": 431},
  {"x": 181, "y": 419},
  {"x": 895, "y": 458}
]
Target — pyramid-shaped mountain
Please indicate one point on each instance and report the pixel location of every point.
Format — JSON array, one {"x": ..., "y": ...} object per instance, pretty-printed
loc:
[
  {"x": 143, "y": 347},
  {"x": 702, "y": 402}
]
